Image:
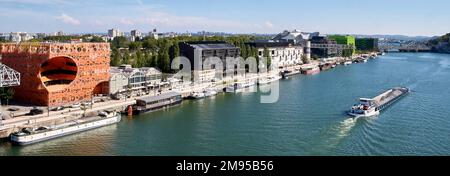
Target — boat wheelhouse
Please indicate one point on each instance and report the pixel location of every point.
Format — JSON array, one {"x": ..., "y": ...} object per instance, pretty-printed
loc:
[{"x": 366, "y": 108}]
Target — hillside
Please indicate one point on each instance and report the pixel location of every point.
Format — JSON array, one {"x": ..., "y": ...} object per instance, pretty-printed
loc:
[{"x": 441, "y": 44}]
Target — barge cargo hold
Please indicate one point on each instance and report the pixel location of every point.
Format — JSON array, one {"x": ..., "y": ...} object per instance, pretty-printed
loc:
[
  {"x": 30, "y": 136},
  {"x": 372, "y": 107}
]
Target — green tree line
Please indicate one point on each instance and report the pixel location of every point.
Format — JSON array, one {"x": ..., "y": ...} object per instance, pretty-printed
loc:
[{"x": 150, "y": 52}]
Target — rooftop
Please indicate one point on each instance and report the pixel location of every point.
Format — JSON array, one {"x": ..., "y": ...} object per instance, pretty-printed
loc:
[
  {"x": 211, "y": 45},
  {"x": 160, "y": 97}
]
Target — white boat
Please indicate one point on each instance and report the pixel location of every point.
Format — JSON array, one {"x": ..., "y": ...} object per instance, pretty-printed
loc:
[
  {"x": 348, "y": 63},
  {"x": 268, "y": 80},
  {"x": 34, "y": 135},
  {"x": 366, "y": 108},
  {"x": 210, "y": 92},
  {"x": 197, "y": 95},
  {"x": 239, "y": 87}
]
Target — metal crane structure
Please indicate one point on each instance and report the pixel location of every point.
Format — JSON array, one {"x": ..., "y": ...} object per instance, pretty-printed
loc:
[{"x": 8, "y": 76}]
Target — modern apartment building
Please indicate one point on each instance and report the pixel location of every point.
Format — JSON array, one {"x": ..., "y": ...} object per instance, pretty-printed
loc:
[
  {"x": 283, "y": 54},
  {"x": 199, "y": 52}
]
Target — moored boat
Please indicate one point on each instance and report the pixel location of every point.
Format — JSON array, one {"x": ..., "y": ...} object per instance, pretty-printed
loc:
[
  {"x": 239, "y": 87},
  {"x": 157, "y": 102},
  {"x": 349, "y": 62},
  {"x": 325, "y": 66},
  {"x": 197, "y": 95},
  {"x": 210, "y": 92},
  {"x": 28, "y": 136},
  {"x": 310, "y": 70}
]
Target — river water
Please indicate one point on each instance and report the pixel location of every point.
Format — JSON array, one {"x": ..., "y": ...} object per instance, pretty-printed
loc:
[{"x": 308, "y": 119}]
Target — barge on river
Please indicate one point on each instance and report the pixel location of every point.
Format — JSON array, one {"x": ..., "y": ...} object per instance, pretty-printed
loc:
[
  {"x": 372, "y": 107},
  {"x": 28, "y": 136},
  {"x": 157, "y": 102}
]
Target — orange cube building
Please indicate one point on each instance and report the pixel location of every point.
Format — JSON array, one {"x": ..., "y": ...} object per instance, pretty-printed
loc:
[{"x": 56, "y": 74}]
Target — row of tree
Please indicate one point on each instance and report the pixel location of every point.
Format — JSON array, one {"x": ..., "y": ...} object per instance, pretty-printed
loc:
[
  {"x": 150, "y": 52},
  {"x": 68, "y": 38}
]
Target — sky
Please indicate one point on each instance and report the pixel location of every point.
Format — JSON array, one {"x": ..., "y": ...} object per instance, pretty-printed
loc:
[{"x": 400, "y": 17}]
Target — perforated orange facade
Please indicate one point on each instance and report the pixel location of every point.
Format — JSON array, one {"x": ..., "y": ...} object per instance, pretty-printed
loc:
[{"x": 56, "y": 74}]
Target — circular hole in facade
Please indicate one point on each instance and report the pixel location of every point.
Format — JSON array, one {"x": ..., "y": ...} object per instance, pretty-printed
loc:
[{"x": 57, "y": 73}]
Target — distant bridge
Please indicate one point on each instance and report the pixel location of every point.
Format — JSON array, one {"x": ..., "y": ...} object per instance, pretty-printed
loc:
[{"x": 404, "y": 47}]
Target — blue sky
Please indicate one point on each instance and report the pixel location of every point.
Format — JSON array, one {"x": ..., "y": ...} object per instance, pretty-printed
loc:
[{"x": 407, "y": 17}]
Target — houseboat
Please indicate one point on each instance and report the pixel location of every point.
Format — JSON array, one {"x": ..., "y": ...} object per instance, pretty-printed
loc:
[
  {"x": 240, "y": 87},
  {"x": 31, "y": 135},
  {"x": 325, "y": 66},
  {"x": 268, "y": 80},
  {"x": 157, "y": 102},
  {"x": 196, "y": 95},
  {"x": 210, "y": 92},
  {"x": 310, "y": 70},
  {"x": 348, "y": 62}
]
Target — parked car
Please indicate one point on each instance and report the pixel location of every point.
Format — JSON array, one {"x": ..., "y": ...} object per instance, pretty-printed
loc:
[
  {"x": 13, "y": 109},
  {"x": 86, "y": 103},
  {"x": 76, "y": 105},
  {"x": 36, "y": 111},
  {"x": 59, "y": 108}
]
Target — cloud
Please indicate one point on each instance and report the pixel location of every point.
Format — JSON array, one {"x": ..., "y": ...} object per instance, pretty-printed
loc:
[
  {"x": 164, "y": 19},
  {"x": 68, "y": 19},
  {"x": 268, "y": 24},
  {"x": 126, "y": 21},
  {"x": 36, "y": 2}
]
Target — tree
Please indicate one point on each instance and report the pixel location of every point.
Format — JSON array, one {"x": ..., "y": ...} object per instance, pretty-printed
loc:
[
  {"x": 126, "y": 57},
  {"x": 119, "y": 42},
  {"x": 244, "y": 52},
  {"x": 134, "y": 46},
  {"x": 249, "y": 51},
  {"x": 7, "y": 94},
  {"x": 96, "y": 39},
  {"x": 139, "y": 59},
  {"x": 35, "y": 40},
  {"x": 153, "y": 61},
  {"x": 115, "y": 58},
  {"x": 164, "y": 61},
  {"x": 176, "y": 53},
  {"x": 266, "y": 54},
  {"x": 150, "y": 44},
  {"x": 305, "y": 60}
]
